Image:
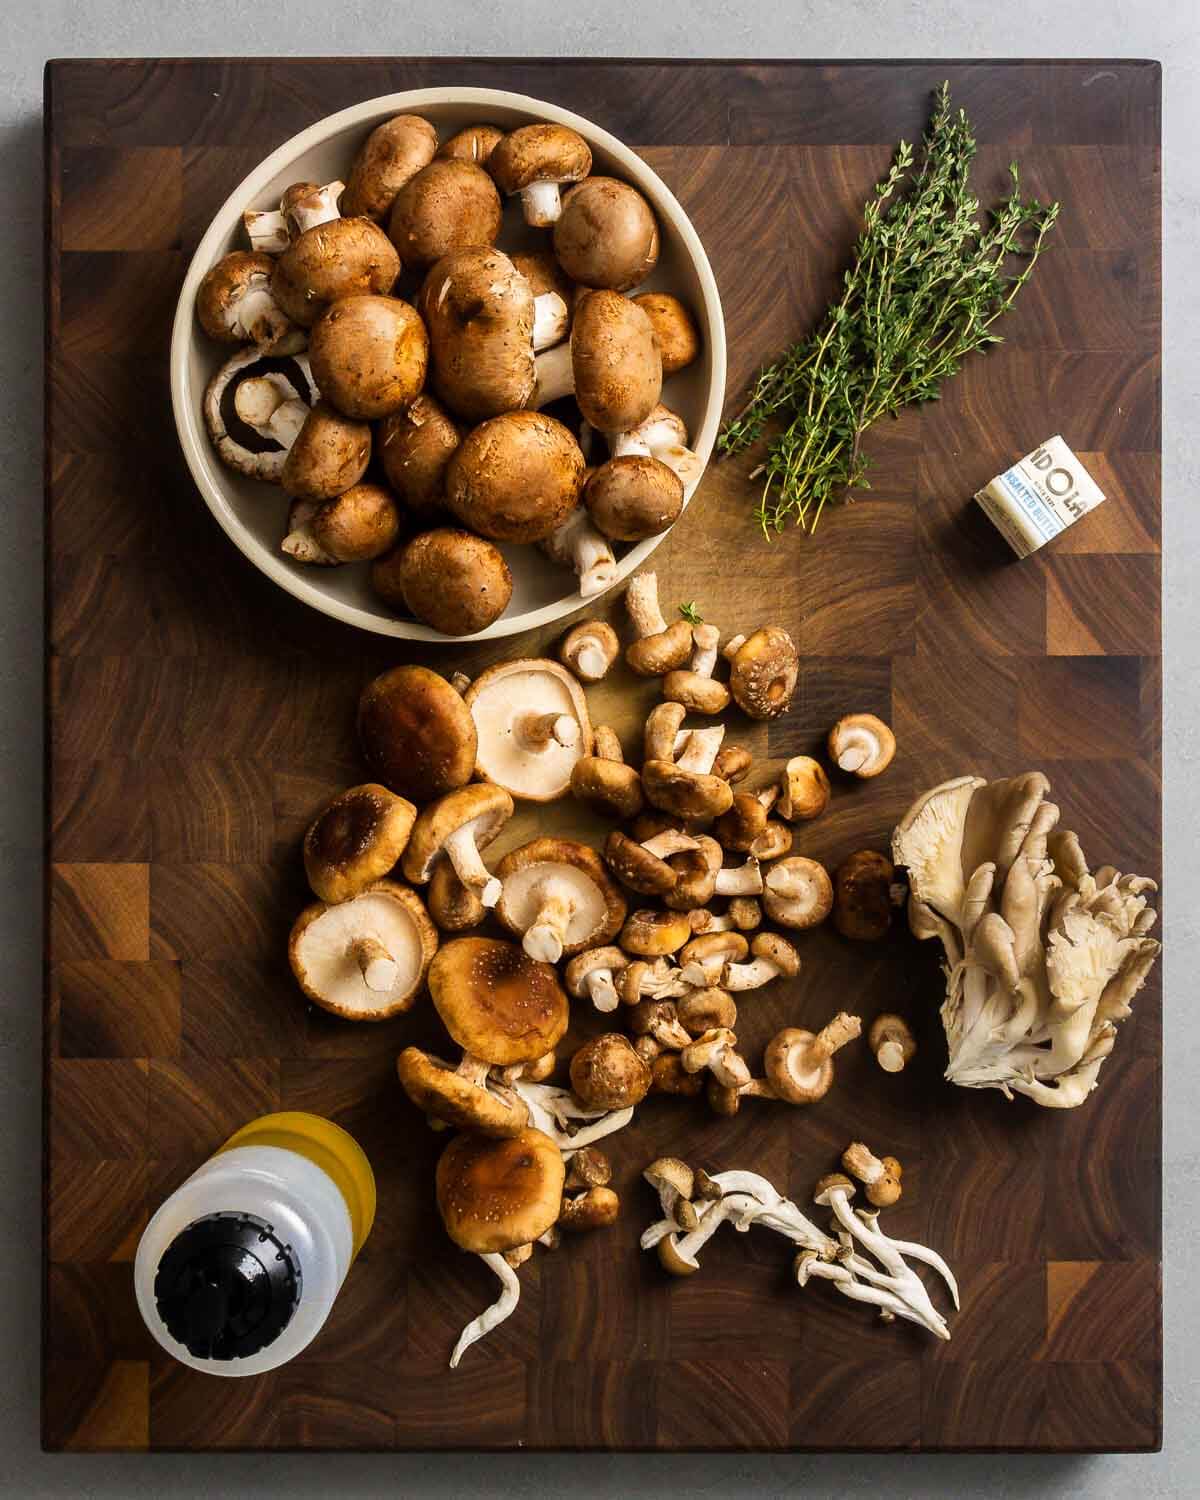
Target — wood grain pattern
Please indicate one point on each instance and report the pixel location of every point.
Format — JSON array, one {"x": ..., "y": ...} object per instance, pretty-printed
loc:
[{"x": 198, "y": 716}]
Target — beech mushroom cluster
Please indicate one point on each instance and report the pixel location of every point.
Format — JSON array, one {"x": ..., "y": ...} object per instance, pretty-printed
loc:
[{"x": 394, "y": 364}]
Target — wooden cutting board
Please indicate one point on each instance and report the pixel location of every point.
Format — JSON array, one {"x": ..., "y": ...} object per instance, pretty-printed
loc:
[{"x": 198, "y": 716}]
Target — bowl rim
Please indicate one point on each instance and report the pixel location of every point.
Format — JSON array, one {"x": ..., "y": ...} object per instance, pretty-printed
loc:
[{"x": 187, "y": 410}]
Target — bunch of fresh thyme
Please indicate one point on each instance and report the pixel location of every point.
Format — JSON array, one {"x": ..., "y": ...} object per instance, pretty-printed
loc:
[{"x": 927, "y": 285}]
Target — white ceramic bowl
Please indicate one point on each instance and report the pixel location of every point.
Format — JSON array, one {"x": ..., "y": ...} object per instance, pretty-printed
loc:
[{"x": 253, "y": 514}]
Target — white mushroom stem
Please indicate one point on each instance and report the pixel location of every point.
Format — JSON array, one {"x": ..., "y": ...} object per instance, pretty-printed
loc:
[
  {"x": 858, "y": 747},
  {"x": 681, "y": 738},
  {"x": 664, "y": 437},
  {"x": 701, "y": 751},
  {"x": 705, "y": 973},
  {"x": 546, "y": 934},
  {"x": 460, "y": 682},
  {"x": 255, "y": 314},
  {"x": 577, "y": 544},
  {"x": 590, "y": 660},
  {"x": 541, "y": 204},
  {"x": 670, "y": 841},
  {"x": 601, "y": 991},
  {"x": 317, "y": 207},
  {"x": 375, "y": 963},
  {"x": 267, "y": 231},
  {"x": 553, "y": 1111},
  {"x": 266, "y": 403},
  {"x": 502, "y": 1308},
  {"x": 641, "y": 600},
  {"x": 551, "y": 319},
  {"x": 554, "y": 374},
  {"x": 535, "y": 731},
  {"x": 743, "y": 880},
  {"x": 706, "y": 921},
  {"x": 900, "y": 1280},
  {"x": 300, "y": 543},
  {"x": 716, "y": 1051},
  {"x": 732, "y": 646},
  {"x": 705, "y": 640},
  {"x": 469, "y": 866}
]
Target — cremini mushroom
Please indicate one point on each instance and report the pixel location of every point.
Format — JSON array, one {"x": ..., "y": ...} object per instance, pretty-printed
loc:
[
  {"x": 799, "y": 1064},
  {"x": 661, "y": 435},
  {"x": 880, "y": 1176},
  {"x": 589, "y": 649},
  {"x": 862, "y": 745},
  {"x": 456, "y": 827},
  {"x": 610, "y": 364},
  {"x": 234, "y": 304},
  {"x": 654, "y": 934},
  {"x": 606, "y": 235},
  {"x": 515, "y": 478},
  {"x": 416, "y": 733},
  {"x": 452, "y": 580},
  {"x": 644, "y": 867},
  {"x": 659, "y": 648},
  {"x": 534, "y": 161},
  {"x": 604, "y": 782},
  {"x": 334, "y": 260},
  {"x": 452, "y": 905},
  {"x": 369, "y": 355},
  {"x": 328, "y": 456},
  {"x": 804, "y": 789},
  {"x": 304, "y": 205},
  {"x": 891, "y": 1040},
  {"x": 451, "y": 204},
  {"x": 358, "y": 525},
  {"x": 773, "y": 957},
  {"x": 862, "y": 896},
  {"x": 557, "y": 896},
  {"x": 532, "y": 727},
  {"x": 674, "y": 328},
  {"x": 695, "y": 687},
  {"x": 606, "y": 1073},
  {"x": 257, "y": 403},
  {"x": 576, "y": 544},
  {"x": 494, "y": 1198},
  {"x": 797, "y": 892},
  {"x": 390, "y": 156},
  {"x": 355, "y": 840},
  {"x": 589, "y": 976},
  {"x": 366, "y": 957},
  {"x": 631, "y": 498},
  {"x": 472, "y": 143},
  {"x": 658, "y": 1019},
  {"x": 763, "y": 668},
  {"x": 480, "y": 313},
  {"x": 415, "y": 446}
]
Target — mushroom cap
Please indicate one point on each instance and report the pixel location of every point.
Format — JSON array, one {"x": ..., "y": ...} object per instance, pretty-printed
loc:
[
  {"x": 539, "y": 153},
  {"x": 606, "y": 235},
  {"x": 326, "y": 969},
  {"x": 606, "y": 1073},
  {"x": 393, "y": 153},
  {"x": 448, "y": 205},
  {"x": 862, "y": 902},
  {"x": 452, "y": 580},
  {"x": 497, "y": 1003},
  {"x": 415, "y": 445},
  {"x": 695, "y": 875},
  {"x": 806, "y": 789},
  {"x": 485, "y": 808},
  {"x": 452, "y": 905},
  {"x": 618, "y": 372},
  {"x": 516, "y": 478},
  {"x": 435, "y": 1087},
  {"x": 633, "y": 497},
  {"x": 797, "y": 892},
  {"x": 672, "y": 1261},
  {"x": 773, "y": 842},
  {"x": 655, "y": 654},
  {"x": 678, "y": 340},
  {"x": 227, "y": 282},
  {"x": 496, "y": 1195},
  {"x": 733, "y": 763},
  {"x": 329, "y": 454},
  {"x": 762, "y": 676},
  {"x": 355, "y": 839},
  {"x": 789, "y": 1071},
  {"x": 599, "y": 905},
  {"x": 479, "y": 311},
  {"x": 583, "y": 964},
  {"x": 597, "y": 1208},
  {"x": 827, "y": 1184},
  {"x": 499, "y": 699},
  {"x": 242, "y": 447},
  {"x": 670, "y": 1171},
  {"x": 742, "y": 824},
  {"x": 874, "y": 743},
  {"x": 778, "y": 951},
  {"x": 472, "y": 143},
  {"x": 706, "y": 1010},
  {"x": 687, "y": 794},
  {"x": 544, "y": 274},
  {"x": 697, "y": 693},
  {"x": 652, "y": 934},
  {"x": 636, "y": 867},
  {"x": 731, "y": 946},
  {"x": 358, "y": 525},
  {"x": 416, "y": 733},
  {"x": 369, "y": 355},
  {"x": 609, "y": 786},
  {"x": 340, "y": 258}
]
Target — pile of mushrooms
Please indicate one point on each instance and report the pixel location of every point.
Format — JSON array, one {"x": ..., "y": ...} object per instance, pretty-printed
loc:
[{"x": 395, "y": 365}]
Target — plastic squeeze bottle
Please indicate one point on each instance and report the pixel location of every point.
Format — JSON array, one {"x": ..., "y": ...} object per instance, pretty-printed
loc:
[{"x": 238, "y": 1269}]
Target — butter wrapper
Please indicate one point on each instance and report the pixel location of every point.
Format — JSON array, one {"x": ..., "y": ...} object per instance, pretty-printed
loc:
[{"x": 1040, "y": 496}]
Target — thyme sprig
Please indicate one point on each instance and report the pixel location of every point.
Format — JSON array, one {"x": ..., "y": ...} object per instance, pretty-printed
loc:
[
  {"x": 691, "y": 613},
  {"x": 926, "y": 287}
]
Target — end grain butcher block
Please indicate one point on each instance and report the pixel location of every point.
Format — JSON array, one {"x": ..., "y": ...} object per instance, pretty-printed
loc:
[{"x": 198, "y": 715}]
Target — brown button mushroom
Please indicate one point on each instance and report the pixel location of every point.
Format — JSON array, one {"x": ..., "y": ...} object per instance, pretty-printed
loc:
[
  {"x": 606, "y": 1073},
  {"x": 515, "y": 478},
  {"x": 862, "y": 745},
  {"x": 456, "y": 827},
  {"x": 448, "y": 205},
  {"x": 644, "y": 867},
  {"x": 653, "y": 934},
  {"x": 589, "y": 649},
  {"x": 557, "y": 895},
  {"x": 343, "y": 258},
  {"x": 472, "y": 143},
  {"x": 862, "y": 896},
  {"x": 480, "y": 313},
  {"x": 891, "y": 1040},
  {"x": 590, "y": 976},
  {"x": 360, "y": 524},
  {"x": 678, "y": 340},
  {"x": 632, "y": 498},
  {"x": 234, "y": 303},
  {"x": 355, "y": 839},
  {"x": 451, "y": 580},
  {"x": 460, "y": 1096},
  {"x": 416, "y": 733},
  {"x": 257, "y": 403},
  {"x": 393, "y": 153},
  {"x": 659, "y": 647},
  {"x": 330, "y": 453},
  {"x": 498, "y": 1004},
  {"x": 797, "y": 892},
  {"x": 452, "y": 905},
  {"x": 604, "y": 782},
  {"x": 369, "y": 355},
  {"x": 415, "y": 446},
  {"x": 763, "y": 668},
  {"x": 804, "y": 789},
  {"x": 535, "y": 160},
  {"x": 695, "y": 686},
  {"x": 364, "y": 958},
  {"x": 611, "y": 364},
  {"x": 532, "y": 727},
  {"x": 606, "y": 235}
]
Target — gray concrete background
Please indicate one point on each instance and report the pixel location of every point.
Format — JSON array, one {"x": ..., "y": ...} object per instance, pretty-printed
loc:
[{"x": 33, "y": 30}]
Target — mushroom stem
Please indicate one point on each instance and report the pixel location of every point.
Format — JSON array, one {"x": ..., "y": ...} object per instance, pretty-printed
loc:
[
  {"x": 554, "y": 373},
  {"x": 590, "y": 661},
  {"x": 270, "y": 409},
  {"x": 732, "y": 646},
  {"x": 541, "y": 204},
  {"x": 705, "y": 639},
  {"x": 701, "y": 750},
  {"x": 744, "y": 880},
  {"x": 661, "y": 436},
  {"x": 460, "y": 682},
  {"x": 601, "y": 990},
  {"x": 751, "y": 976},
  {"x": 317, "y": 207},
  {"x": 892, "y": 1042},
  {"x": 577, "y": 544},
  {"x": 502, "y": 1308},
  {"x": 375, "y": 963},
  {"x": 550, "y": 321},
  {"x": 535, "y": 731},
  {"x": 469, "y": 866},
  {"x": 266, "y": 230},
  {"x": 832, "y": 1036},
  {"x": 670, "y": 841},
  {"x": 641, "y": 600},
  {"x": 546, "y": 934}
]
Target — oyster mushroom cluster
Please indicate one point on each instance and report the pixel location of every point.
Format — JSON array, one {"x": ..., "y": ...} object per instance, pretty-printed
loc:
[
  {"x": 1043, "y": 956},
  {"x": 421, "y": 397}
]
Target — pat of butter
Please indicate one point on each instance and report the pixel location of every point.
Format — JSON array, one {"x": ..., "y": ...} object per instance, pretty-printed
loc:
[{"x": 1041, "y": 495}]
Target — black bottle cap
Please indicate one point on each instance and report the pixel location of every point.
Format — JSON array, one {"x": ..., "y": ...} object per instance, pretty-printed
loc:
[{"x": 227, "y": 1286}]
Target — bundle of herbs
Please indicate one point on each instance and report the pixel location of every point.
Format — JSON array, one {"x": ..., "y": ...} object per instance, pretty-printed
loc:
[{"x": 927, "y": 285}]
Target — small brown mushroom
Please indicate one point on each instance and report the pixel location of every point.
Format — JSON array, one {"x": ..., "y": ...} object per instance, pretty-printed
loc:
[
  {"x": 733, "y": 763},
  {"x": 589, "y": 975},
  {"x": 234, "y": 304},
  {"x": 455, "y": 907},
  {"x": 678, "y": 340},
  {"x": 654, "y": 934},
  {"x": 358, "y": 525},
  {"x": 516, "y": 477},
  {"x": 742, "y": 824},
  {"x": 330, "y": 453},
  {"x": 606, "y": 235},
  {"x": 451, "y": 204},
  {"x": 799, "y": 1064},
  {"x": 606, "y": 1073},
  {"x": 659, "y": 647},
  {"x": 797, "y": 892},
  {"x": 339, "y": 259},
  {"x": 597, "y": 1208},
  {"x": 706, "y": 1010},
  {"x": 480, "y": 313},
  {"x": 669, "y": 1076},
  {"x": 696, "y": 873},
  {"x": 631, "y": 498},
  {"x": 658, "y": 1018},
  {"x": 588, "y": 1167},
  {"x": 774, "y": 842},
  {"x": 892, "y": 1042},
  {"x": 745, "y": 912},
  {"x": 557, "y": 895},
  {"x": 456, "y": 827},
  {"x": 862, "y": 899},
  {"x": 589, "y": 649},
  {"x": 472, "y": 143},
  {"x": 861, "y": 745},
  {"x": 416, "y": 733},
  {"x": 355, "y": 840},
  {"x": 610, "y": 364},
  {"x": 685, "y": 793},
  {"x": 716, "y": 1052},
  {"x": 415, "y": 446},
  {"x": 773, "y": 957},
  {"x": 804, "y": 789},
  {"x": 763, "y": 671},
  {"x": 451, "y": 580},
  {"x": 695, "y": 687},
  {"x": 644, "y": 867},
  {"x": 535, "y": 160},
  {"x": 880, "y": 1177},
  {"x": 390, "y": 156},
  {"x": 705, "y": 959},
  {"x": 369, "y": 355},
  {"x": 459, "y": 1096}
]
